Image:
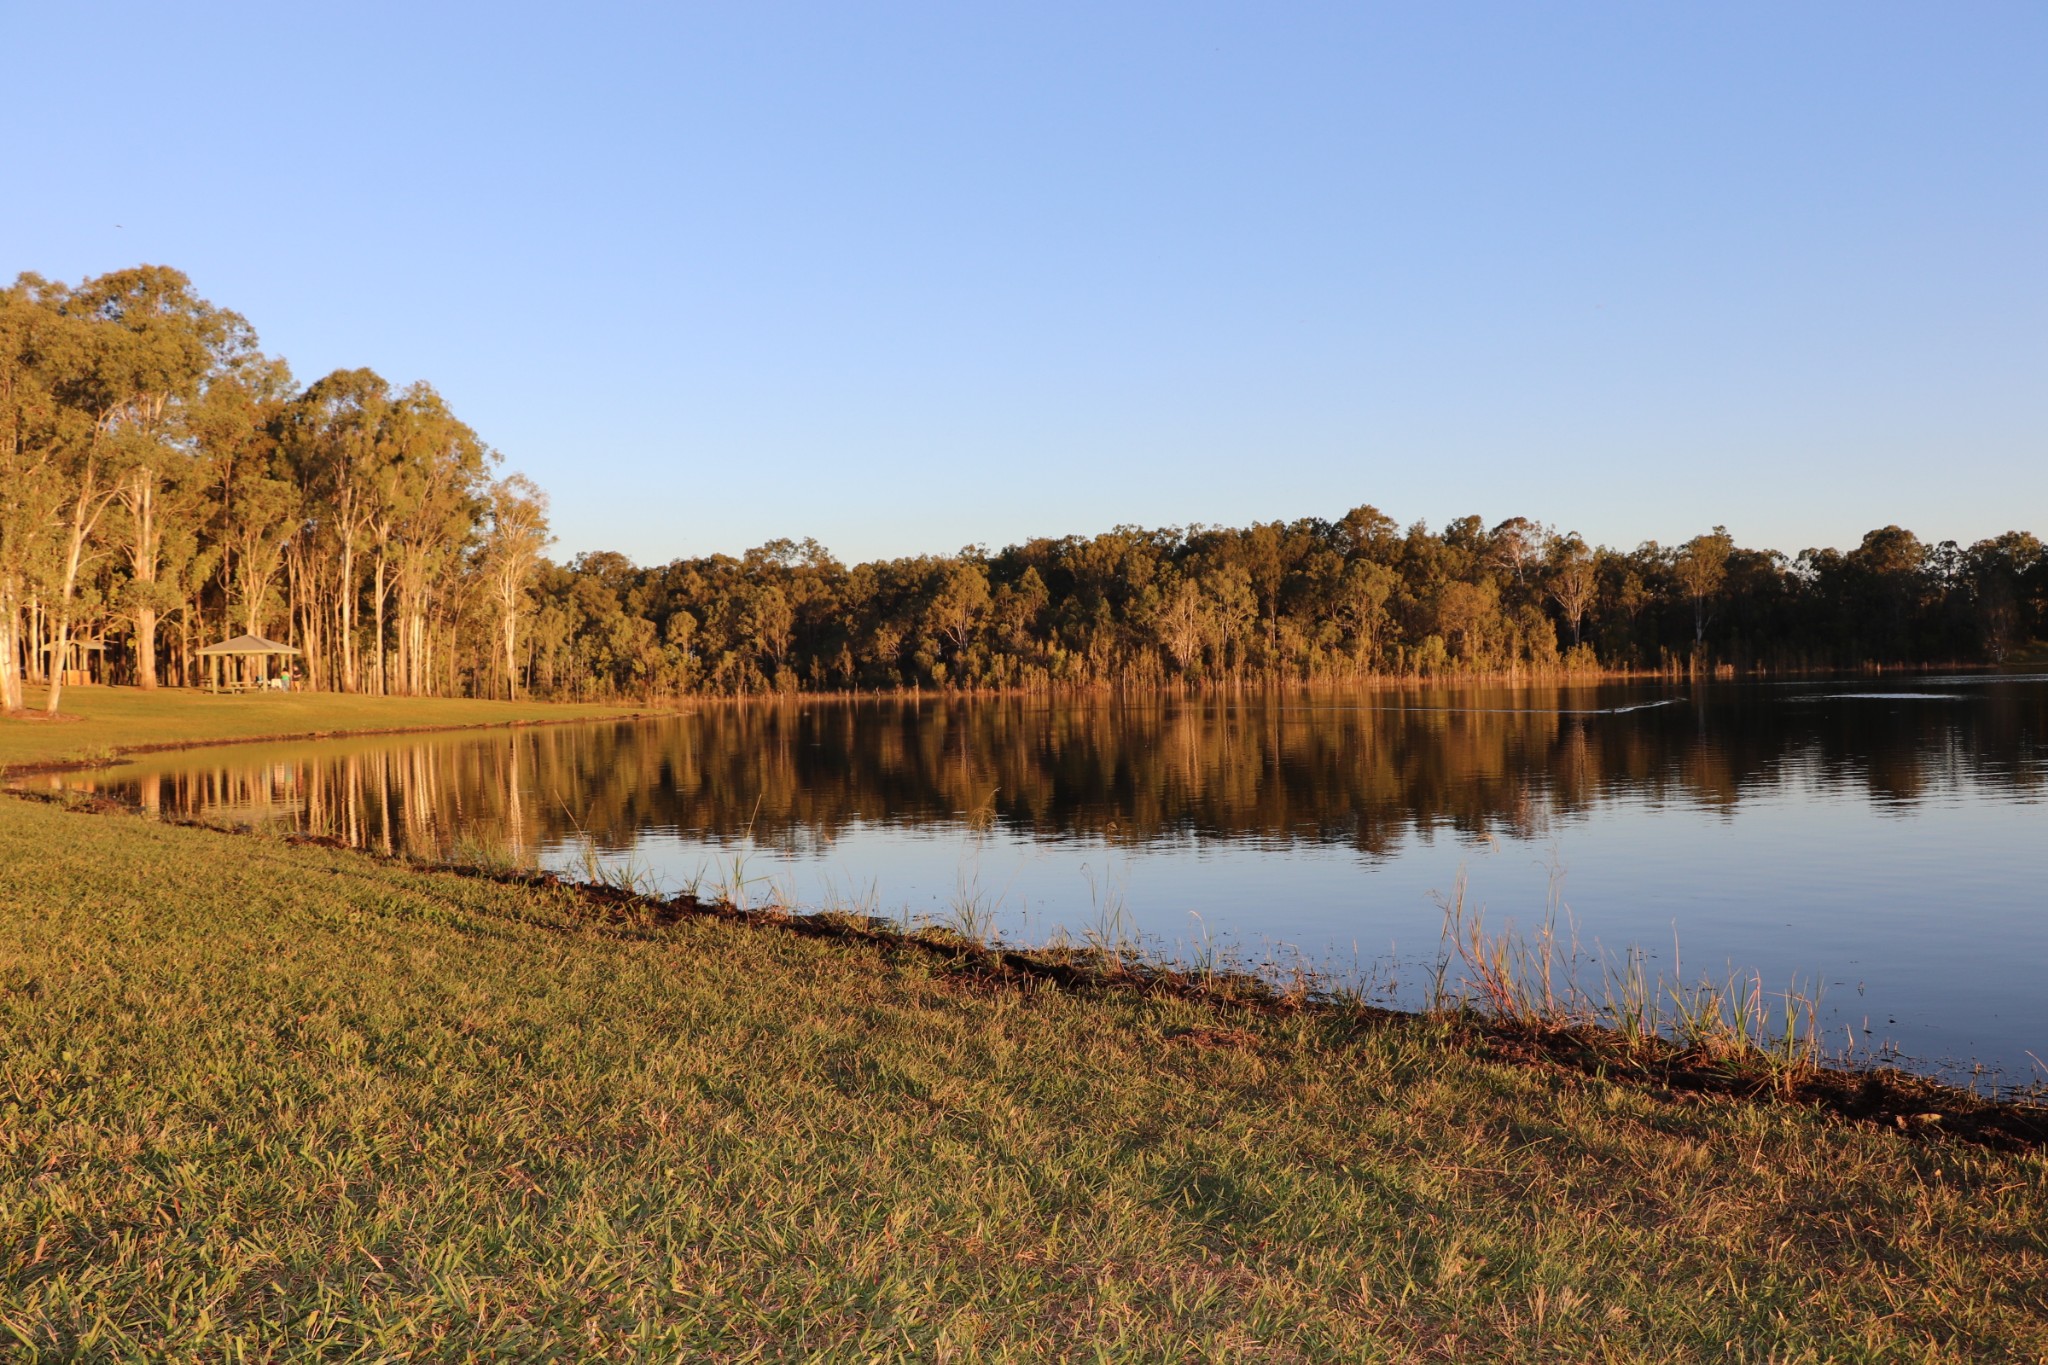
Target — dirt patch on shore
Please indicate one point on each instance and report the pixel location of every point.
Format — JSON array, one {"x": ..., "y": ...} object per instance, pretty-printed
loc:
[{"x": 1885, "y": 1096}]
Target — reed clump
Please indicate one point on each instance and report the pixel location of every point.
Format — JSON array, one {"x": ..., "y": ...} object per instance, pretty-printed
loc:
[{"x": 1546, "y": 982}]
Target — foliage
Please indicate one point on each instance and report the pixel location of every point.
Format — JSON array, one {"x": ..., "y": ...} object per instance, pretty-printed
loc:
[
  {"x": 1311, "y": 601},
  {"x": 158, "y": 472},
  {"x": 159, "y": 469}
]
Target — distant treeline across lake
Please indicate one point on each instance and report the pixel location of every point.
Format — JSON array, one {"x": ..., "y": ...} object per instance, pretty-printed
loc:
[{"x": 164, "y": 483}]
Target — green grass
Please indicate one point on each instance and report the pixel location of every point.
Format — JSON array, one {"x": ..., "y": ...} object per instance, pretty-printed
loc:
[
  {"x": 267, "y": 1102},
  {"x": 98, "y": 723}
]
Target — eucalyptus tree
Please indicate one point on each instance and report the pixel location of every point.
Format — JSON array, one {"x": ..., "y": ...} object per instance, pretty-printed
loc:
[
  {"x": 68, "y": 471},
  {"x": 1701, "y": 566},
  {"x": 1263, "y": 550},
  {"x": 1230, "y": 607},
  {"x": 436, "y": 496},
  {"x": 160, "y": 517},
  {"x": 1464, "y": 611},
  {"x": 1017, "y": 612},
  {"x": 1365, "y": 532},
  {"x": 1517, "y": 546},
  {"x": 1360, "y": 606},
  {"x": 959, "y": 600},
  {"x": 154, "y": 466},
  {"x": 154, "y": 345},
  {"x": 1573, "y": 584},
  {"x": 31, "y": 489},
  {"x": 1179, "y": 619},
  {"x": 337, "y": 440},
  {"x": 1887, "y": 585},
  {"x": 2008, "y": 586},
  {"x": 514, "y": 536},
  {"x": 256, "y": 507},
  {"x": 134, "y": 344}
]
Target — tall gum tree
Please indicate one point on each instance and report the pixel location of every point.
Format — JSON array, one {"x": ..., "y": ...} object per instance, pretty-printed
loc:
[
  {"x": 437, "y": 495},
  {"x": 513, "y": 541},
  {"x": 92, "y": 373},
  {"x": 337, "y": 437},
  {"x": 1572, "y": 581},
  {"x": 31, "y": 486},
  {"x": 1701, "y": 566},
  {"x": 254, "y": 505},
  {"x": 140, "y": 345}
]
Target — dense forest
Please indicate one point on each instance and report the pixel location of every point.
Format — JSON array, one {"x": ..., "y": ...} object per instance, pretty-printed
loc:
[{"x": 164, "y": 483}]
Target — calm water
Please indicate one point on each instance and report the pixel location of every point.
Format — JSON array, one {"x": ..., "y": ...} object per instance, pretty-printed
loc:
[{"x": 1887, "y": 842}]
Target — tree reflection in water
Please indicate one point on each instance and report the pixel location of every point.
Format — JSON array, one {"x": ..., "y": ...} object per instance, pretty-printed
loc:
[
  {"x": 1888, "y": 841},
  {"x": 1359, "y": 770}
]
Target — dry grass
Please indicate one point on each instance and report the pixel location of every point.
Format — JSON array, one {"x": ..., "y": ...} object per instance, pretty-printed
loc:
[{"x": 1547, "y": 981}]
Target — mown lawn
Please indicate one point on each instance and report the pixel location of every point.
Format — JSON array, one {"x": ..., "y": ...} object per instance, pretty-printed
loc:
[
  {"x": 98, "y": 722},
  {"x": 268, "y": 1102}
]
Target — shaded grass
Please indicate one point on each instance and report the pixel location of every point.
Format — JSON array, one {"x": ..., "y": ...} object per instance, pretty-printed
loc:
[
  {"x": 99, "y": 723},
  {"x": 267, "y": 1101}
]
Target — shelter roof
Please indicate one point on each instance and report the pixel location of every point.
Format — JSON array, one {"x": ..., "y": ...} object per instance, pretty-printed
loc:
[{"x": 249, "y": 644}]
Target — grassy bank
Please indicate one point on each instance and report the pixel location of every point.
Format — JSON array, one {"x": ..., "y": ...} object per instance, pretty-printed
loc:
[
  {"x": 267, "y": 1101},
  {"x": 99, "y": 723}
]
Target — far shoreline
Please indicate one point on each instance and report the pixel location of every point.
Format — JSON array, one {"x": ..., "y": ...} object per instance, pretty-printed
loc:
[
  {"x": 533, "y": 712},
  {"x": 167, "y": 706}
]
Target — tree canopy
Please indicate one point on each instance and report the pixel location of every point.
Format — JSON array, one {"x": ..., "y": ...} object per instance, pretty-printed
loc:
[{"x": 163, "y": 483}]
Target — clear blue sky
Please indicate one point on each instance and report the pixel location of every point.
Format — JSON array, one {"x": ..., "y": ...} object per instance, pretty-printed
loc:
[{"x": 906, "y": 277}]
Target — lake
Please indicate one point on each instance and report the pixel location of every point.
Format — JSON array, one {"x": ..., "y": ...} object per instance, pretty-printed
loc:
[{"x": 1884, "y": 841}]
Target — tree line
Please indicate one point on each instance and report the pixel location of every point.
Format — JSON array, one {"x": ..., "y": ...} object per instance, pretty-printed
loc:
[
  {"x": 163, "y": 482},
  {"x": 1309, "y": 601}
]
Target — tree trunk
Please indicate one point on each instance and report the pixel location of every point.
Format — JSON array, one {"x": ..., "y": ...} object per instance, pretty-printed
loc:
[
  {"x": 346, "y": 616},
  {"x": 33, "y": 645},
  {"x": 383, "y": 672},
  {"x": 145, "y": 648},
  {"x": 10, "y": 651},
  {"x": 416, "y": 666},
  {"x": 140, "y": 496},
  {"x": 60, "y": 654},
  {"x": 81, "y": 527},
  {"x": 511, "y": 653}
]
